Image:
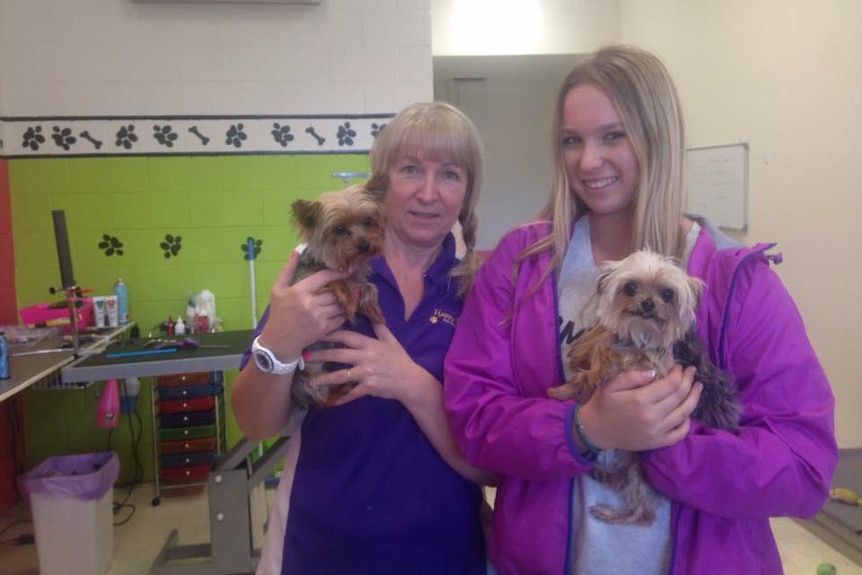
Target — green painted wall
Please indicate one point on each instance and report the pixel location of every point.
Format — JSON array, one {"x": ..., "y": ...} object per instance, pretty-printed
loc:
[{"x": 213, "y": 203}]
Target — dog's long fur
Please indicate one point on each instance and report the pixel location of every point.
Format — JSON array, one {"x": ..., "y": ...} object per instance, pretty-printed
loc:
[
  {"x": 645, "y": 310},
  {"x": 343, "y": 229}
]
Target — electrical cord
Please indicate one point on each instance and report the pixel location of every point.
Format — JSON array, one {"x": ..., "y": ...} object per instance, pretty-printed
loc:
[{"x": 138, "y": 470}]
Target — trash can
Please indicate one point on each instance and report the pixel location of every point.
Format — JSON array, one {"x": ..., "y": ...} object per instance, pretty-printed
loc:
[{"x": 71, "y": 500}]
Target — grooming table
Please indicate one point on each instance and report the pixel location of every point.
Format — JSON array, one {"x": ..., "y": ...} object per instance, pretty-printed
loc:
[
  {"x": 229, "y": 487},
  {"x": 838, "y": 524}
]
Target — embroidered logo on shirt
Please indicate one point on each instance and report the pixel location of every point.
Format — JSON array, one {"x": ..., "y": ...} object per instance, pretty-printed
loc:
[{"x": 439, "y": 315}]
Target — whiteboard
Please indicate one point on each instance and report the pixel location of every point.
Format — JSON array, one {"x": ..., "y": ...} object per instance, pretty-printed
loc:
[{"x": 717, "y": 181}]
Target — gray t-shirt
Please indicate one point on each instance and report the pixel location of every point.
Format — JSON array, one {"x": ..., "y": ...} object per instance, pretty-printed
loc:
[{"x": 597, "y": 546}]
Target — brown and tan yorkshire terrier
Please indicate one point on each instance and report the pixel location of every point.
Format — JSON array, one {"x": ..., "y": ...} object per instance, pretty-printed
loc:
[
  {"x": 342, "y": 230},
  {"x": 645, "y": 310}
]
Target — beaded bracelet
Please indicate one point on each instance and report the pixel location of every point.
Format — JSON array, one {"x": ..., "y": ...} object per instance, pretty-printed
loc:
[{"x": 592, "y": 451}]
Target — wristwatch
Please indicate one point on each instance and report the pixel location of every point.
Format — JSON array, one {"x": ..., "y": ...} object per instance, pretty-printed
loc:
[{"x": 266, "y": 361}]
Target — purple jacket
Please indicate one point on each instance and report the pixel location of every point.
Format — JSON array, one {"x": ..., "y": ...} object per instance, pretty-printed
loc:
[{"x": 723, "y": 487}]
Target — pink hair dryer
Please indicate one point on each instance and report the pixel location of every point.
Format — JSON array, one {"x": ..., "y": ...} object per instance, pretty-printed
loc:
[{"x": 108, "y": 408}]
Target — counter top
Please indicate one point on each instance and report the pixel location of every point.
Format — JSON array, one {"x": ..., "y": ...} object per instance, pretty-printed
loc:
[
  {"x": 228, "y": 354},
  {"x": 32, "y": 363}
]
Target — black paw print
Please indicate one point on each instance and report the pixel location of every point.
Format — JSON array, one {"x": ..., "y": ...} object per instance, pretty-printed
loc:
[
  {"x": 33, "y": 137},
  {"x": 346, "y": 134},
  {"x": 165, "y": 135},
  {"x": 376, "y": 129},
  {"x": 171, "y": 245},
  {"x": 281, "y": 134},
  {"x": 111, "y": 245},
  {"x": 251, "y": 248},
  {"x": 63, "y": 137},
  {"x": 235, "y": 136},
  {"x": 126, "y": 137}
]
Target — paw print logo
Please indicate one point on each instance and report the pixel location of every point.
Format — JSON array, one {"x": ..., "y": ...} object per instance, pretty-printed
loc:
[
  {"x": 235, "y": 135},
  {"x": 171, "y": 245},
  {"x": 251, "y": 248},
  {"x": 281, "y": 134},
  {"x": 165, "y": 135},
  {"x": 111, "y": 245},
  {"x": 33, "y": 138},
  {"x": 346, "y": 135},
  {"x": 63, "y": 137},
  {"x": 126, "y": 137},
  {"x": 376, "y": 129}
]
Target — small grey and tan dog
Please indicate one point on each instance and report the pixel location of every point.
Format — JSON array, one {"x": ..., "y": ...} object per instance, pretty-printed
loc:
[
  {"x": 645, "y": 314},
  {"x": 342, "y": 230}
]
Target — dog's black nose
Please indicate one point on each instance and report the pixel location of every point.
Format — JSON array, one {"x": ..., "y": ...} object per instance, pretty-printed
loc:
[
  {"x": 648, "y": 305},
  {"x": 363, "y": 245}
]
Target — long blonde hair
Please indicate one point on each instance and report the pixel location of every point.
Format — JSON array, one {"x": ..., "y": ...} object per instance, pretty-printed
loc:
[
  {"x": 644, "y": 94},
  {"x": 439, "y": 131}
]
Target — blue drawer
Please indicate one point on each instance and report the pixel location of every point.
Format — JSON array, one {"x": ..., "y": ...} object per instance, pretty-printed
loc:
[
  {"x": 200, "y": 458},
  {"x": 187, "y": 391}
]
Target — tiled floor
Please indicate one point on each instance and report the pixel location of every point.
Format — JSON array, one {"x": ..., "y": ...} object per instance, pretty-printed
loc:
[{"x": 138, "y": 541}]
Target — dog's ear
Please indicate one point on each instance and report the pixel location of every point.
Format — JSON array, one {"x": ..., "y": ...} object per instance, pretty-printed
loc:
[
  {"x": 307, "y": 213},
  {"x": 696, "y": 285},
  {"x": 606, "y": 270}
]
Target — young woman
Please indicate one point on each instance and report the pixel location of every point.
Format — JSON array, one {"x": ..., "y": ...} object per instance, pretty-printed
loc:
[
  {"x": 619, "y": 154},
  {"x": 376, "y": 484}
]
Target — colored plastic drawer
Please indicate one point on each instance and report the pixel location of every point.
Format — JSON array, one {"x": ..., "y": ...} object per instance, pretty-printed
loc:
[
  {"x": 187, "y": 392},
  {"x": 172, "y": 434},
  {"x": 187, "y": 418},
  {"x": 194, "y": 458},
  {"x": 187, "y": 473},
  {"x": 183, "y": 446},
  {"x": 180, "y": 405},
  {"x": 199, "y": 378}
]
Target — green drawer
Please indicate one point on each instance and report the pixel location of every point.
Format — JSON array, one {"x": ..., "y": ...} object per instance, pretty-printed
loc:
[{"x": 173, "y": 433}]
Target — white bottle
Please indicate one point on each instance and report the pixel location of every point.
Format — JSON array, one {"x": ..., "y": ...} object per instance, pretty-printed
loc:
[{"x": 180, "y": 326}]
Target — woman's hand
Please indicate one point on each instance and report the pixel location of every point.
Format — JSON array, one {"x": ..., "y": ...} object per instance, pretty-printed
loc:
[
  {"x": 302, "y": 313},
  {"x": 635, "y": 412},
  {"x": 380, "y": 367}
]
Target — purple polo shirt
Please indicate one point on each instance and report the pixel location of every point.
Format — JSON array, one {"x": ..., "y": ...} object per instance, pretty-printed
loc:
[{"x": 370, "y": 494}]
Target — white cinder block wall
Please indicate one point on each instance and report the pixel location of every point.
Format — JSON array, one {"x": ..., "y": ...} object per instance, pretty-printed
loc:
[{"x": 118, "y": 57}]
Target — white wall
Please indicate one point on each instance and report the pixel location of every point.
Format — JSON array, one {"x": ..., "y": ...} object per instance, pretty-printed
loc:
[
  {"x": 103, "y": 57},
  {"x": 786, "y": 77},
  {"x": 483, "y": 27}
]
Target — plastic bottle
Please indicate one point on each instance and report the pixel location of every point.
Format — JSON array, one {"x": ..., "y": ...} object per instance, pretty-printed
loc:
[
  {"x": 108, "y": 407},
  {"x": 180, "y": 326},
  {"x": 4, "y": 358},
  {"x": 122, "y": 292},
  {"x": 170, "y": 326}
]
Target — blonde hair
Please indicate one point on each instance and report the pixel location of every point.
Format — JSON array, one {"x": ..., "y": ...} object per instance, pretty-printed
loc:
[
  {"x": 644, "y": 94},
  {"x": 438, "y": 131}
]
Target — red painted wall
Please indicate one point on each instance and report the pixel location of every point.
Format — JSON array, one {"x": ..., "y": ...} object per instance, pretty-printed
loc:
[{"x": 10, "y": 437}]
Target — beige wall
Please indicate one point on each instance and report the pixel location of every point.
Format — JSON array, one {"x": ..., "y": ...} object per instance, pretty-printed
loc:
[{"x": 786, "y": 77}]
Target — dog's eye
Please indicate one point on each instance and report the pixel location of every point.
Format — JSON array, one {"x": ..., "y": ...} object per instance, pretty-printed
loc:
[
  {"x": 666, "y": 295},
  {"x": 367, "y": 222},
  {"x": 340, "y": 229},
  {"x": 631, "y": 288}
]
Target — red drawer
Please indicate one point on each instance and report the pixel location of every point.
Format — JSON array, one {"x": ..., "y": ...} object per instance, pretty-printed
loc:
[
  {"x": 199, "y": 378},
  {"x": 187, "y": 446},
  {"x": 187, "y": 473},
  {"x": 194, "y": 404}
]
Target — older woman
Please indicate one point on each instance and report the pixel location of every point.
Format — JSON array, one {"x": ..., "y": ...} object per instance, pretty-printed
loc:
[{"x": 376, "y": 484}]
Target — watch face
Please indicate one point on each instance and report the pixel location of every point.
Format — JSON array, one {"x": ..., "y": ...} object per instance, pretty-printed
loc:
[{"x": 263, "y": 361}]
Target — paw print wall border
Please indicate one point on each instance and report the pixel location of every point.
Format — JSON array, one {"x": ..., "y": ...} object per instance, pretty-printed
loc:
[{"x": 50, "y": 136}]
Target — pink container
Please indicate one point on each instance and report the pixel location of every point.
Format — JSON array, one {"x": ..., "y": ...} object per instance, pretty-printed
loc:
[{"x": 44, "y": 315}]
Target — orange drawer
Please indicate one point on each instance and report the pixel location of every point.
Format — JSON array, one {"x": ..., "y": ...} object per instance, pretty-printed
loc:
[
  {"x": 187, "y": 473},
  {"x": 198, "y": 378},
  {"x": 187, "y": 446},
  {"x": 180, "y": 405}
]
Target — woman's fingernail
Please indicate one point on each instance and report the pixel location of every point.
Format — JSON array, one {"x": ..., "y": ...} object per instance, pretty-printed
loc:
[{"x": 649, "y": 374}]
